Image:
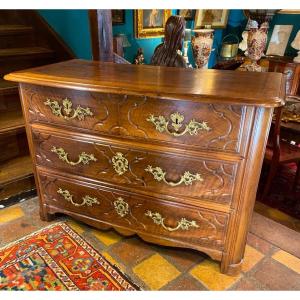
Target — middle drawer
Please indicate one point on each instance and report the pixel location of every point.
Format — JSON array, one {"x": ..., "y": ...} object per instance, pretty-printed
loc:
[{"x": 145, "y": 170}]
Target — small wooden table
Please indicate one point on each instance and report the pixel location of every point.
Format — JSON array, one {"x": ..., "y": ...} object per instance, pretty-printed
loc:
[{"x": 290, "y": 130}]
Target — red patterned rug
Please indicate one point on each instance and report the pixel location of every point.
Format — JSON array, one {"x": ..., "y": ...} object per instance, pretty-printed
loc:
[{"x": 56, "y": 258}]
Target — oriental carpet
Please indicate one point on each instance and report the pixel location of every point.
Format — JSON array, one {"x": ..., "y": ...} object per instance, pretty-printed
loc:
[{"x": 56, "y": 258}]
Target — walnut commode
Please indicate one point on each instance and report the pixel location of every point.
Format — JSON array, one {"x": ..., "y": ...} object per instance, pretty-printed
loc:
[{"x": 172, "y": 155}]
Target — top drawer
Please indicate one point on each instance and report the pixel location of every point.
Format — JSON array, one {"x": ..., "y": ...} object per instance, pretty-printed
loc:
[{"x": 177, "y": 123}]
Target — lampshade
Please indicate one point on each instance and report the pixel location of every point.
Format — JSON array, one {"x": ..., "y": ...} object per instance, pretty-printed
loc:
[
  {"x": 188, "y": 35},
  {"x": 296, "y": 42},
  {"x": 125, "y": 42}
]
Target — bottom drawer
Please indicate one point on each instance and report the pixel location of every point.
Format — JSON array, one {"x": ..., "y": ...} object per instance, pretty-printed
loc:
[{"x": 144, "y": 215}]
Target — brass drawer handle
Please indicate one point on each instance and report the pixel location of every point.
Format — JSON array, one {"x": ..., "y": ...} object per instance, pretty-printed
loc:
[
  {"x": 161, "y": 125},
  {"x": 86, "y": 200},
  {"x": 121, "y": 207},
  {"x": 83, "y": 157},
  {"x": 69, "y": 112},
  {"x": 183, "y": 224},
  {"x": 187, "y": 178},
  {"x": 120, "y": 163}
]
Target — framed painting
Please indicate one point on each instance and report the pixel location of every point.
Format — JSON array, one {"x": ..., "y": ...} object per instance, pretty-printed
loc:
[
  {"x": 150, "y": 23},
  {"x": 289, "y": 11},
  {"x": 214, "y": 18},
  {"x": 279, "y": 39},
  {"x": 118, "y": 16},
  {"x": 188, "y": 14}
]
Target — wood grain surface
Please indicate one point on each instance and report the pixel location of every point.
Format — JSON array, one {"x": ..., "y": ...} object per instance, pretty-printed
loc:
[
  {"x": 197, "y": 85},
  {"x": 111, "y": 152}
]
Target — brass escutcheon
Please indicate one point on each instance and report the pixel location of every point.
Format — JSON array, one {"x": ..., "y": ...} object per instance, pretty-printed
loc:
[
  {"x": 121, "y": 207},
  {"x": 162, "y": 125}
]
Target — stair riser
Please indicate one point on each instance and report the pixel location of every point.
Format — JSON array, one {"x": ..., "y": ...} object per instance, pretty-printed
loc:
[
  {"x": 21, "y": 31},
  {"x": 7, "y": 92},
  {"x": 17, "y": 40},
  {"x": 17, "y": 187},
  {"x": 10, "y": 103},
  {"x": 18, "y": 63},
  {"x": 12, "y": 145},
  {"x": 12, "y": 16}
]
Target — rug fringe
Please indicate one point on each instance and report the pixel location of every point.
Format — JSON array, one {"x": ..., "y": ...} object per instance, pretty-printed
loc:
[{"x": 122, "y": 274}]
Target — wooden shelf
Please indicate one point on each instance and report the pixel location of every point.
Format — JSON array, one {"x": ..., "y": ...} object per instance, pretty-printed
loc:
[
  {"x": 15, "y": 169},
  {"x": 11, "y": 121}
]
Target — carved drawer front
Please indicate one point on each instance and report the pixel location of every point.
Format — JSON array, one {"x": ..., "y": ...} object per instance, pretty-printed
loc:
[
  {"x": 182, "y": 123},
  {"x": 65, "y": 107},
  {"x": 186, "y": 123},
  {"x": 146, "y": 171},
  {"x": 138, "y": 213}
]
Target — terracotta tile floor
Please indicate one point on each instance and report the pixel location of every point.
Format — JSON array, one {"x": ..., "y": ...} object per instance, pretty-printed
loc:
[{"x": 269, "y": 264}]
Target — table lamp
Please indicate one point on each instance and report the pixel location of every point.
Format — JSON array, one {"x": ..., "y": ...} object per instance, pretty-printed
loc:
[
  {"x": 124, "y": 43},
  {"x": 296, "y": 45}
]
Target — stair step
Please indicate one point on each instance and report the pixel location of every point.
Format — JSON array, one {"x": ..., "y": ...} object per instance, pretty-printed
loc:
[
  {"x": 14, "y": 36},
  {"x": 11, "y": 121},
  {"x": 14, "y": 29},
  {"x": 18, "y": 178},
  {"x": 15, "y": 169},
  {"x": 8, "y": 87},
  {"x": 25, "y": 52}
]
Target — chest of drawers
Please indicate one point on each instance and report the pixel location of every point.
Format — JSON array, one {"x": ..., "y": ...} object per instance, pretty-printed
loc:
[{"x": 171, "y": 155}]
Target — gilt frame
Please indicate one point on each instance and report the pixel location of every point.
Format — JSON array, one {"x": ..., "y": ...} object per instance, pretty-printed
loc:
[
  {"x": 220, "y": 24},
  {"x": 145, "y": 33}
]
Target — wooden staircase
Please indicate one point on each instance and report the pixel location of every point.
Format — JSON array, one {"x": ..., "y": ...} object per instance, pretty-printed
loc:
[{"x": 26, "y": 40}]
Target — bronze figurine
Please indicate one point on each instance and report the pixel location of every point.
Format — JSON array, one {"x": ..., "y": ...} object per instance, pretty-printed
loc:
[
  {"x": 166, "y": 54},
  {"x": 139, "y": 57}
]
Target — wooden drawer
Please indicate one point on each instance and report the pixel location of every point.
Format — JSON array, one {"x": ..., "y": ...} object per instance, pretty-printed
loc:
[
  {"x": 145, "y": 215},
  {"x": 146, "y": 170},
  {"x": 181, "y": 123}
]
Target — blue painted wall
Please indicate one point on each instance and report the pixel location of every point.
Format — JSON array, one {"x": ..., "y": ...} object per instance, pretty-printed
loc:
[
  {"x": 148, "y": 45},
  {"x": 235, "y": 19},
  {"x": 73, "y": 27}
]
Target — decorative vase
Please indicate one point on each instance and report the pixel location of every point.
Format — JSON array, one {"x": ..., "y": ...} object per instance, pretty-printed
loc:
[
  {"x": 257, "y": 40},
  {"x": 202, "y": 45}
]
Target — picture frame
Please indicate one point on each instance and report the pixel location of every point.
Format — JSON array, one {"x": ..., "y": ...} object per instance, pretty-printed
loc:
[
  {"x": 279, "y": 40},
  {"x": 214, "y": 18},
  {"x": 289, "y": 11},
  {"x": 118, "y": 16},
  {"x": 188, "y": 14},
  {"x": 150, "y": 23}
]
